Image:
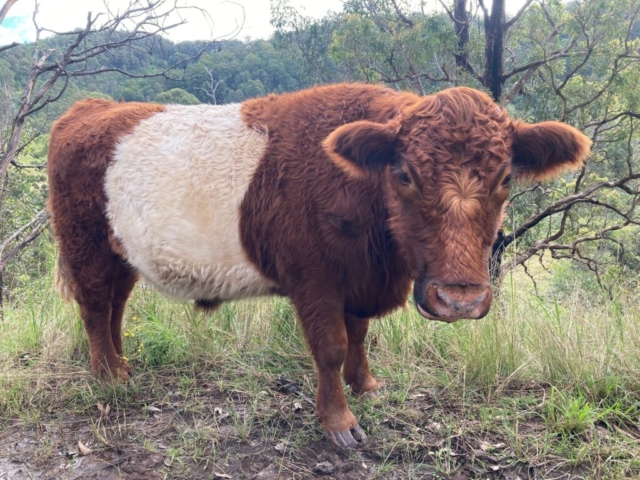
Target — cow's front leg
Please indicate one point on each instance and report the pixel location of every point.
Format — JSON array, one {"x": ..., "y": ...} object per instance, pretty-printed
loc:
[
  {"x": 356, "y": 368},
  {"x": 326, "y": 333}
]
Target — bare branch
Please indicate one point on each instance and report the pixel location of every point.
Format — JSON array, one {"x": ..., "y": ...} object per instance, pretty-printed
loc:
[
  {"x": 7, "y": 47},
  {"x": 5, "y": 9},
  {"x": 538, "y": 63},
  {"x": 518, "y": 14},
  {"x": 35, "y": 227},
  {"x": 401, "y": 15}
]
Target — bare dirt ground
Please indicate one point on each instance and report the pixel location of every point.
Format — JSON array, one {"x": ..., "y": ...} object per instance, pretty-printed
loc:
[{"x": 190, "y": 426}]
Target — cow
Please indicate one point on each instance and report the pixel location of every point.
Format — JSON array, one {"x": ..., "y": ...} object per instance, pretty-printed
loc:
[{"x": 342, "y": 198}]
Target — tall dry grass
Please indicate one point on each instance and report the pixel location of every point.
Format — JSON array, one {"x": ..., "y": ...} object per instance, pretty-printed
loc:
[{"x": 579, "y": 342}]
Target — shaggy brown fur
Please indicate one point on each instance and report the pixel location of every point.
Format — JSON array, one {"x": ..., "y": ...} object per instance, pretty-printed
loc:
[
  {"x": 362, "y": 191},
  {"x": 91, "y": 267}
]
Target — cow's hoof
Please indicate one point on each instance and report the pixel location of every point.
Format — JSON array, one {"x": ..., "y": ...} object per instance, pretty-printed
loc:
[
  {"x": 372, "y": 392},
  {"x": 120, "y": 375},
  {"x": 352, "y": 438},
  {"x": 114, "y": 375},
  {"x": 126, "y": 366},
  {"x": 123, "y": 375}
]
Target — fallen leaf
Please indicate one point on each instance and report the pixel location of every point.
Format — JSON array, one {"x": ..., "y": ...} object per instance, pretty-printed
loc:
[
  {"x": 282, "y": 446},
  {"x": 151, "y": 408},
  {"x": 104, "y": 411},
  {"x": 220, "y": 413},
  {"x": 297, "y": 406},
  {"x": 487, "y": 447},
  {"x": 84, "y": 450}
]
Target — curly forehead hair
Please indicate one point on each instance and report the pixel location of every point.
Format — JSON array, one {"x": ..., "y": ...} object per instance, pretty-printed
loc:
[{"x": 458, "y": 124}]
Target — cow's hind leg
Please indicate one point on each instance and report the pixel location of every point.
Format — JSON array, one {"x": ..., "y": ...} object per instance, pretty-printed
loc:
[
  {"x": 124, "y": 279},
  {"x": 95, "y": 302},
  {"x": 324, "y": 328},
  {"x": 93, "y": 269},
  {"x": 356, "y": 368}
]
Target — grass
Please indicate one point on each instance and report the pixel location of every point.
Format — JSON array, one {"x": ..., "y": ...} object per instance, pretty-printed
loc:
[{"x": 544, "y": 387}]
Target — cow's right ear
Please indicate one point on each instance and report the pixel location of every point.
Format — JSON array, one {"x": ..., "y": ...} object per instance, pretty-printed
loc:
[{"x": 363, "y": 146}]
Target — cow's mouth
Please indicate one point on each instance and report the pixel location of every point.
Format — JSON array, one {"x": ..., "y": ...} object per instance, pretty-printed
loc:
[{"x": 430, "y": 316}]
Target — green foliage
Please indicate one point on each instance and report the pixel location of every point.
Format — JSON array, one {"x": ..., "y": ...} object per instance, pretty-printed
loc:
[
  {"x": 26, "y": 194},
  {"x": 380, "y": 49},
  {"x": 569, "y": 415},
  {"x": 177, "y": 96}
]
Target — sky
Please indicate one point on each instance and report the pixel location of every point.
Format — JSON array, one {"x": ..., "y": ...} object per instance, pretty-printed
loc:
[{"x": 225, "y": 16}]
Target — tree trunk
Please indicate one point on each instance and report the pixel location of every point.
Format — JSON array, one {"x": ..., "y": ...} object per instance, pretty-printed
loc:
[
  {"x": 461, "y": 25},
  {"x": 494, "y": 28}
]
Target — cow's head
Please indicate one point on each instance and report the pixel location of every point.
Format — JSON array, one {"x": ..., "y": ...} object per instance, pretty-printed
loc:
[{"x": 446, "y": 164}]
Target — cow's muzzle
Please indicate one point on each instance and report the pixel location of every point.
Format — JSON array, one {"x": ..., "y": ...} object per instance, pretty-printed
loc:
[{"x": 451, "y": 302}]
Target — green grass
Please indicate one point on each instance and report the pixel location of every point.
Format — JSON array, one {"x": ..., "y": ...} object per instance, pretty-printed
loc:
[{"x": 557, "y": 382}]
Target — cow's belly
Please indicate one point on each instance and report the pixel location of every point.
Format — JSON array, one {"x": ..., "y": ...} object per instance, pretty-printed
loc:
[{"x": 174, "y": 193}]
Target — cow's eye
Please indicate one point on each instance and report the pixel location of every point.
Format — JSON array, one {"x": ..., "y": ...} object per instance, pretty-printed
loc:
[
  {"x": 405, "y": 178},
  {"x": 507, "y": 181}
]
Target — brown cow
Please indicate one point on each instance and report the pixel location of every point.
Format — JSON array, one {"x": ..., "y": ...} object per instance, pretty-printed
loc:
[{"x": 339, "y": 197}]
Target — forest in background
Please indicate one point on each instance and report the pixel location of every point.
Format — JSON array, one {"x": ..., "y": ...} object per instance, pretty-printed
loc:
[{"x": 577, "y": 62}]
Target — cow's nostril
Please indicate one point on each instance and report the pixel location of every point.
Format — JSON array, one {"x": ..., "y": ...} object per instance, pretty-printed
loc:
[
  {"x": 477, "y": 301},
  {"x": 455, "y": 301},
  {"x": 465, "y": 300},
  {"x": 447, "y": 299}
]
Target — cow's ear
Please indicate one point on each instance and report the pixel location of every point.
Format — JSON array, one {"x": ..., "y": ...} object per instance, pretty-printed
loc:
[
  {"x": 544, "y": 150},
  {"x": 363, "y": 146}
]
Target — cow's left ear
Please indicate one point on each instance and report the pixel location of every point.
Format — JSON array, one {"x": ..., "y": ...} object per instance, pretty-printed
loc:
[
  {"x": 544, "y": 150},
  {"x": 363, "y": 146}
]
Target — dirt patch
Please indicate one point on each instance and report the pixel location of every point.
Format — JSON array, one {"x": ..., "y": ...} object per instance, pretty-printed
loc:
[{"x": 191, "y": 428}]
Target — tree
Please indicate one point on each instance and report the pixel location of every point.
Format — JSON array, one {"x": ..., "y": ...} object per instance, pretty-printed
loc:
[{"x": 177, "y": 96}]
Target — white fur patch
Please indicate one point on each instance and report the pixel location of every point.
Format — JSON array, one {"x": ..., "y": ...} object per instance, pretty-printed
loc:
[{"x": 174, "y": 193}]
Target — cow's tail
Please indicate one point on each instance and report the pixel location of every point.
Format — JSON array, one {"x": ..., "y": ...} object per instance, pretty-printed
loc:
[{"x": 63, "y": 280}]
